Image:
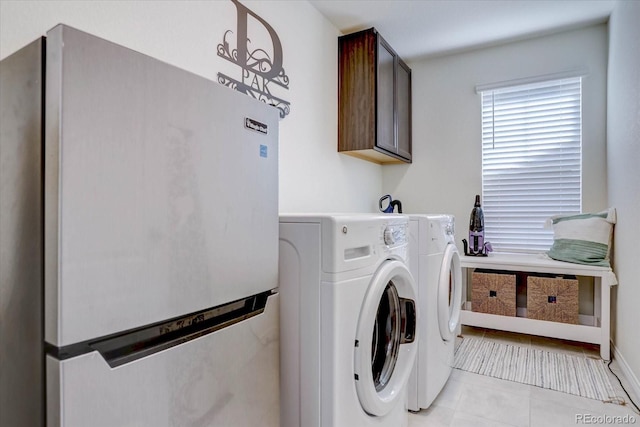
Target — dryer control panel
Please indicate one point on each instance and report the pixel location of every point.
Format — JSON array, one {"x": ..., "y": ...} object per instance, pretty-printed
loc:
[
  {"x": 394, "y": 234},
  {"x": 395, "y": 238},
  {"x": 351, "y": 242}
]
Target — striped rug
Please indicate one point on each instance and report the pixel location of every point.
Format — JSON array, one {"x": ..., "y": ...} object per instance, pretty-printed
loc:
[{"x": 582, "y": 376}]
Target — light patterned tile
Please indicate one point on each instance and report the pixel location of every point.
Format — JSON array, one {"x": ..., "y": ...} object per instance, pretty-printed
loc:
[
  {"x": 460, "y": 419},
  {"x": 490, "y": 382},
  {"x": 620, "y": 396},
  {"x": 570, "y": 400},
  {"x": 434, "y": 416},
  {"x": 623, "y": 411},
  {"x": 494, "y": 404},
  {"x": 450, "y": 394},
  {"x": 557, "y": 413},
  {"x": 546, "y": 413}
]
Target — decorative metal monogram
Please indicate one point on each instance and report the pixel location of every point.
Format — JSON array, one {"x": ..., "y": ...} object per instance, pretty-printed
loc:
[{"x": 259, "y": 70}]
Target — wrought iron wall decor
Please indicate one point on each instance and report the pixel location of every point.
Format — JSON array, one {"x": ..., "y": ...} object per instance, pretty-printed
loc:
[{"x": 259, "y": 69}]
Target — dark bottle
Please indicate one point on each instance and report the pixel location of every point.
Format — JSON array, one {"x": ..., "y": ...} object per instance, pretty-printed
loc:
[{"x": 476, "y": 229}]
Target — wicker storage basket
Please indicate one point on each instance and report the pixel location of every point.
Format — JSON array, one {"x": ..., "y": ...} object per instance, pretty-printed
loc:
[
  {"x": 553, "y": 298},
  {"x": 493, "y": 292}
]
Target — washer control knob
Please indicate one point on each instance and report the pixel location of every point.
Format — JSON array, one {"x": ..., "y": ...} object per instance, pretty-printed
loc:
[
  {"x": 389, "y": 238},
  {"x": 449, "y": 228}
]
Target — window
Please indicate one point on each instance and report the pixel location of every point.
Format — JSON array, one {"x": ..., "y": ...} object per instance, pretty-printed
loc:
[{"x": 531, "y": 160}]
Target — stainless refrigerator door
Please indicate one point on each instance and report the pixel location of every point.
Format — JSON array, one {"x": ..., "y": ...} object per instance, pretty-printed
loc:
[
  {"x": 21, "y": 364},
  {"x": 227, "y": 378},
  {"x": 161, "y": 191}
]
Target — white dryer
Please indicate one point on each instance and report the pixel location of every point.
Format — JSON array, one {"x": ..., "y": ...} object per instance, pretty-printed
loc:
[
  {"x": 435, "y": 264},
  {"x": 348, "y": 320}
]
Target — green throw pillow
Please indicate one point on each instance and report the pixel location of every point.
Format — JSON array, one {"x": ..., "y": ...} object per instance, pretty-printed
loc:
[{"x": 583, "y": 238}]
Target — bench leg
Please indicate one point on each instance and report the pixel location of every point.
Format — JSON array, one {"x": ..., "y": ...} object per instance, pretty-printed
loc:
[{"x": 605, "y": 318}]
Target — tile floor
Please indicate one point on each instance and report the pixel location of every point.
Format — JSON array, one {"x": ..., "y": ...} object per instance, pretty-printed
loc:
[{"x": 476, "y": 400}]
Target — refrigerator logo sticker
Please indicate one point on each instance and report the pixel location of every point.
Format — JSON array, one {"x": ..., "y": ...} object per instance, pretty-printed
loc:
[
  {"x": 256, "y": 125},
  {"x": 262, "y": 70},
  {"x": 263, "y": 151}
]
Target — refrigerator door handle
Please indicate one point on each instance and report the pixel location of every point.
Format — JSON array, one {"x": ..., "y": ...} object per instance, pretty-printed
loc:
[{"x": 135, "y": 344}]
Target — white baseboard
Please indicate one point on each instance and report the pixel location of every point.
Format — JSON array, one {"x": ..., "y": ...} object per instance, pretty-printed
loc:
[{"x": 626, "y": 370}]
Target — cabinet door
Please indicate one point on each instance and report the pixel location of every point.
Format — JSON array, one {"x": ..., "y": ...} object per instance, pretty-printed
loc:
[
  {"x": 385, "y": 109},
  {"x": 403, "y": 109}
]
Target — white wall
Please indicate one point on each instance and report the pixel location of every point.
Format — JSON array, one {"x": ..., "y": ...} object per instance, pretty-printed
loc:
[
  {"x": 623, "y": 158},
  {"x": 446, "y": 171},
  {"x": 313, "y": 176}
]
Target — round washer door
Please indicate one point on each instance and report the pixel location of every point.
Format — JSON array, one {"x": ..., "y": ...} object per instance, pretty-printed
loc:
[
  {"x": 449, "y": 293},
  {"x": 384, "y": 346}
]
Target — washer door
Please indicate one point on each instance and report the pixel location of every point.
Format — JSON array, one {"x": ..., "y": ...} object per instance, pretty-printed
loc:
[
  {"x": 449, "y": 293},
  {"x": 384, "y": 346}
]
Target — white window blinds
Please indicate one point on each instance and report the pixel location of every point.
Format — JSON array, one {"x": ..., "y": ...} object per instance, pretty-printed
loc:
[{"x": 531, "y": 161}]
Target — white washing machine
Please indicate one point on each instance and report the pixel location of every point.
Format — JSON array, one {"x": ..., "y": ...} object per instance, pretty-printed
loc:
[
  {"x": 348, "y": 320},
  {"x": 435, "y": 265}
]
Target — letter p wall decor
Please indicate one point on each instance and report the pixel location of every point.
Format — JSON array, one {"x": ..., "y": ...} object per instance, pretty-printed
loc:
[{"x": 261, "y": 71}]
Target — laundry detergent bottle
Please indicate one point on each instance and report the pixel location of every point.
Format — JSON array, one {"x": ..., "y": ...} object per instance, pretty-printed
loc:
[{"x": 476, "y": 229}]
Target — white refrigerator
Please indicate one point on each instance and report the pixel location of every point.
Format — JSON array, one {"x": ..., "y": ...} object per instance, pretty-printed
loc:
[{"x": 138, "y": 242}]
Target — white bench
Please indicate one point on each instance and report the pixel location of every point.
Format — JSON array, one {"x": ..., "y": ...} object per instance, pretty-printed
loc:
[{"x": 598, "y": 332}]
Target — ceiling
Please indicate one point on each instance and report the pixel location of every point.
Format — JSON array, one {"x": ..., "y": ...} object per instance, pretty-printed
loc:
[{"x": 422, "y": 28}]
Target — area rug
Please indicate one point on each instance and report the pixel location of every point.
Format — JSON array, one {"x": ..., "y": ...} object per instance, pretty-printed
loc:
[{"x": 582, "y": 376}]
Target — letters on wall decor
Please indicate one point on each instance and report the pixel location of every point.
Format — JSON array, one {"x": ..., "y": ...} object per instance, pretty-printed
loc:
[{"x": 259, "y": 70}]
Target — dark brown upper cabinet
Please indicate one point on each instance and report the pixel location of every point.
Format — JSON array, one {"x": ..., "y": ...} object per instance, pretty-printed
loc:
[{"x": 374, "y": 99}]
